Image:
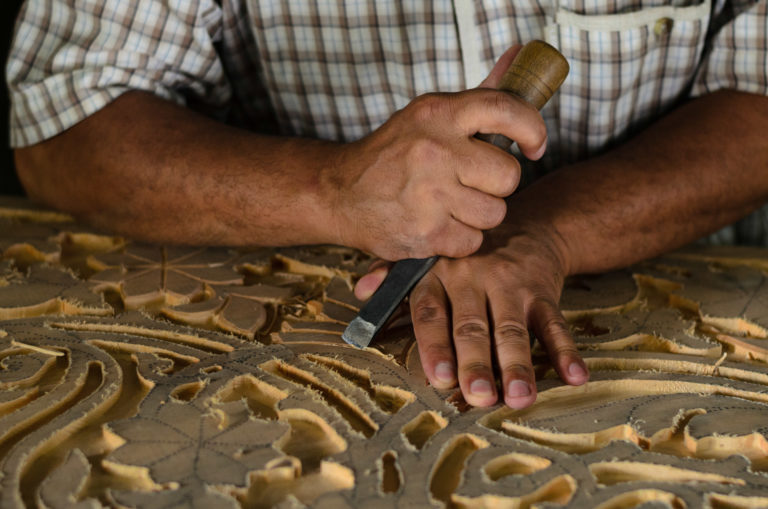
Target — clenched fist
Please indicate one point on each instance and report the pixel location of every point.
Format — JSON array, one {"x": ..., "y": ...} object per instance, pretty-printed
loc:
[{"x": 422, "y": 185}]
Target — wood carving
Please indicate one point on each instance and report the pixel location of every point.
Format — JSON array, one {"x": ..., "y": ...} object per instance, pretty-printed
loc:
[{"x": 150, "y": 376}]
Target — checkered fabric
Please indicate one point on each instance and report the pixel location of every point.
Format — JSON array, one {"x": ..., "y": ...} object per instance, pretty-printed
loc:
[{"x": 337, "y": 69}]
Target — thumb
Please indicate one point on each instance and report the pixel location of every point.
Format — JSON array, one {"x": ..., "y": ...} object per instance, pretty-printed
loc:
[
  {"x": 501, "y": 66},
  {"x": 369, "y": 283}
]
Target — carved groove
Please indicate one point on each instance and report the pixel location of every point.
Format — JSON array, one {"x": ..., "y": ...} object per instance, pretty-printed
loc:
[
  {"x": 449, "y": 466},
  {"x": 249, "y": 397},
  {"x": 389, "y": 399},
  {"x": 357, "y": 419},
  {"x": 422, "y": 427}
]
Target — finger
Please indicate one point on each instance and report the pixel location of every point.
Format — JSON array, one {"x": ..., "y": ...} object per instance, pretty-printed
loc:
[
  {"x": 378, "y": 263},
  {"x": 488, "y": 169},
  {"x": 492, "y": 111},
  {"x": 513, "y": 347},
  {"x": 502, "y": 64},
  {"x": 429, "y": 311},
  {"x": 370, "y": 282},
  {"x": 472, "y": 341},
  {"x": 477, "y": 210},
  {"x": 551, "y": 329}
]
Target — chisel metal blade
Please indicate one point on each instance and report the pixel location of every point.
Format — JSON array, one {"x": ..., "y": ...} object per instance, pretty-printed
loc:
[{"x": 375, "y": 313}]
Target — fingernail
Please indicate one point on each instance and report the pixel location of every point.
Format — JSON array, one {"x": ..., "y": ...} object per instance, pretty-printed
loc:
[
  {"x": 576, "y": 370},
  {"x": 444, "y": 372},
  {"x": 518, "y": 389},
  {"x": 481, "y": 387},
  {"x": 541, "y": 151}
]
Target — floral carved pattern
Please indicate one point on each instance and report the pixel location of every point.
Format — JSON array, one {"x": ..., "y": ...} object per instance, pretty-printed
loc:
[{"x": 148, "y": 376}]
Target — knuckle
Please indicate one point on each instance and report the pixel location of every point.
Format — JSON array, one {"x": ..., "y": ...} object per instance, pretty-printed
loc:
[
  {"x": 437, "y": 350},
  {"x": 463, "y": 268},
  {"x": 497, "y": 211},
  {"x": 426, "y": 309},
  {"x": 504, "y": 274},
  {"x": 535, "y": 133},
  {"x": 510, "y": 332},
  {"x": 425, "y": 233},
  {"x": 471, "y": 330},
  {"x": 556, "y": 327},
  {"x": 466, "y": 245},
  {"x": 450, "y": 248},
  {"x": 422, "y": 230},
  {"x": 510, "y": 178},
  {"x": 475, "y": 241},
  {"x": 428, "y": 107},
  {"x": 476, "y": 367},
  {"x": 518, "y": 370},
  {"x": 496, "y": 101},
  {"x": 424, "y": 150},
  {"x": 564, "y": 350}
]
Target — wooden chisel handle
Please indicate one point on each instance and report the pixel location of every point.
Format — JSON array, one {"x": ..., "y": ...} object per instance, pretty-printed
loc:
[{"x": 534, "y": 76}]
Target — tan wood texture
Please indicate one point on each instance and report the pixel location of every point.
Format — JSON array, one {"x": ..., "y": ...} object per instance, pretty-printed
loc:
[{"x": 151, "y": 376}]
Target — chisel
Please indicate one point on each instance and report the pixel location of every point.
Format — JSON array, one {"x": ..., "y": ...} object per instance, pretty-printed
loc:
[{"x": 534, "y": 75}]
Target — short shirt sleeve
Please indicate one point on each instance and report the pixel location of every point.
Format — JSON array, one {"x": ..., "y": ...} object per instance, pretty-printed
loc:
[
  {"x": 738, "y": 59},
  {"x": 70, "y": 58}
]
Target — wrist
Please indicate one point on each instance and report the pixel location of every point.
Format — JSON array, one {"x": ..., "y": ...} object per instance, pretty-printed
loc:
[
  {"x": 556, "y": 244},
  {"x": 536, "y": 237},
  {"x": 302, "y": 196},
  {"x": 533, "y": 215},
  {"x": 332, "y": 186}
]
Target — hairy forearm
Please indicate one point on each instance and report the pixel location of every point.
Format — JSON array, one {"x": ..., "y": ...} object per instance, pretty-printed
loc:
[
  {"x": 154, "y": 171},
  {"x": 699, "y": 168},
  {"x": 417, "y": 186}
]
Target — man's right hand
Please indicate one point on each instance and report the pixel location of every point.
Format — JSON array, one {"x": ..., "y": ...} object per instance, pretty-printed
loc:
[{"x": 422, "y": 185}]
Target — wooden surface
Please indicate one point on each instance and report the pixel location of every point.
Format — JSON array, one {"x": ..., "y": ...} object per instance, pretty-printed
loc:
[{"x": 148, "y": 376}]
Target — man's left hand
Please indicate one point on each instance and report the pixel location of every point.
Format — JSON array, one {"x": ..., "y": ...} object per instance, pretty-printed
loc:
[{"x": 472, "y": 313}]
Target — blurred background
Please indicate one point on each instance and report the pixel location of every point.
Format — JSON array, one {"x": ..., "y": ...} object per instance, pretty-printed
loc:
[{"x": 9, "y": 184}]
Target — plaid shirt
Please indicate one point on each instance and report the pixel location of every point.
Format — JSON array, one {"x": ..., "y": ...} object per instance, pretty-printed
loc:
[{"x": 337, "y": 69}]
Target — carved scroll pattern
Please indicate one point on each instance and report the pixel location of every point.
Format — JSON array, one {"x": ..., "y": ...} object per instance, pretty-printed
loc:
[{"x": 143, "y": 376}]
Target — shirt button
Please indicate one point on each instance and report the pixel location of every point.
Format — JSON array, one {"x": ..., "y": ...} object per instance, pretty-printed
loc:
[{"x": 663, "y": 26}]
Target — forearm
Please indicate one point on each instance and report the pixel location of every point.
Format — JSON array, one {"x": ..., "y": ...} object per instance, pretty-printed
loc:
[
  {"x": 417, "y": 186},
  {"x": 154, "y": 171},
  {"x": 701, "y": 167}
]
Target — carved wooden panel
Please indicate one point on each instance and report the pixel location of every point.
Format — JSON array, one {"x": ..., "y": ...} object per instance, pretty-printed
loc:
[{"x": 149, "y": 376}]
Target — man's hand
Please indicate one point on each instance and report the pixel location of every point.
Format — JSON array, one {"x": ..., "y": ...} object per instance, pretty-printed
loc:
[
  {"x": 474, "y": 314},
  {"x": 422, "y": 185}
]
